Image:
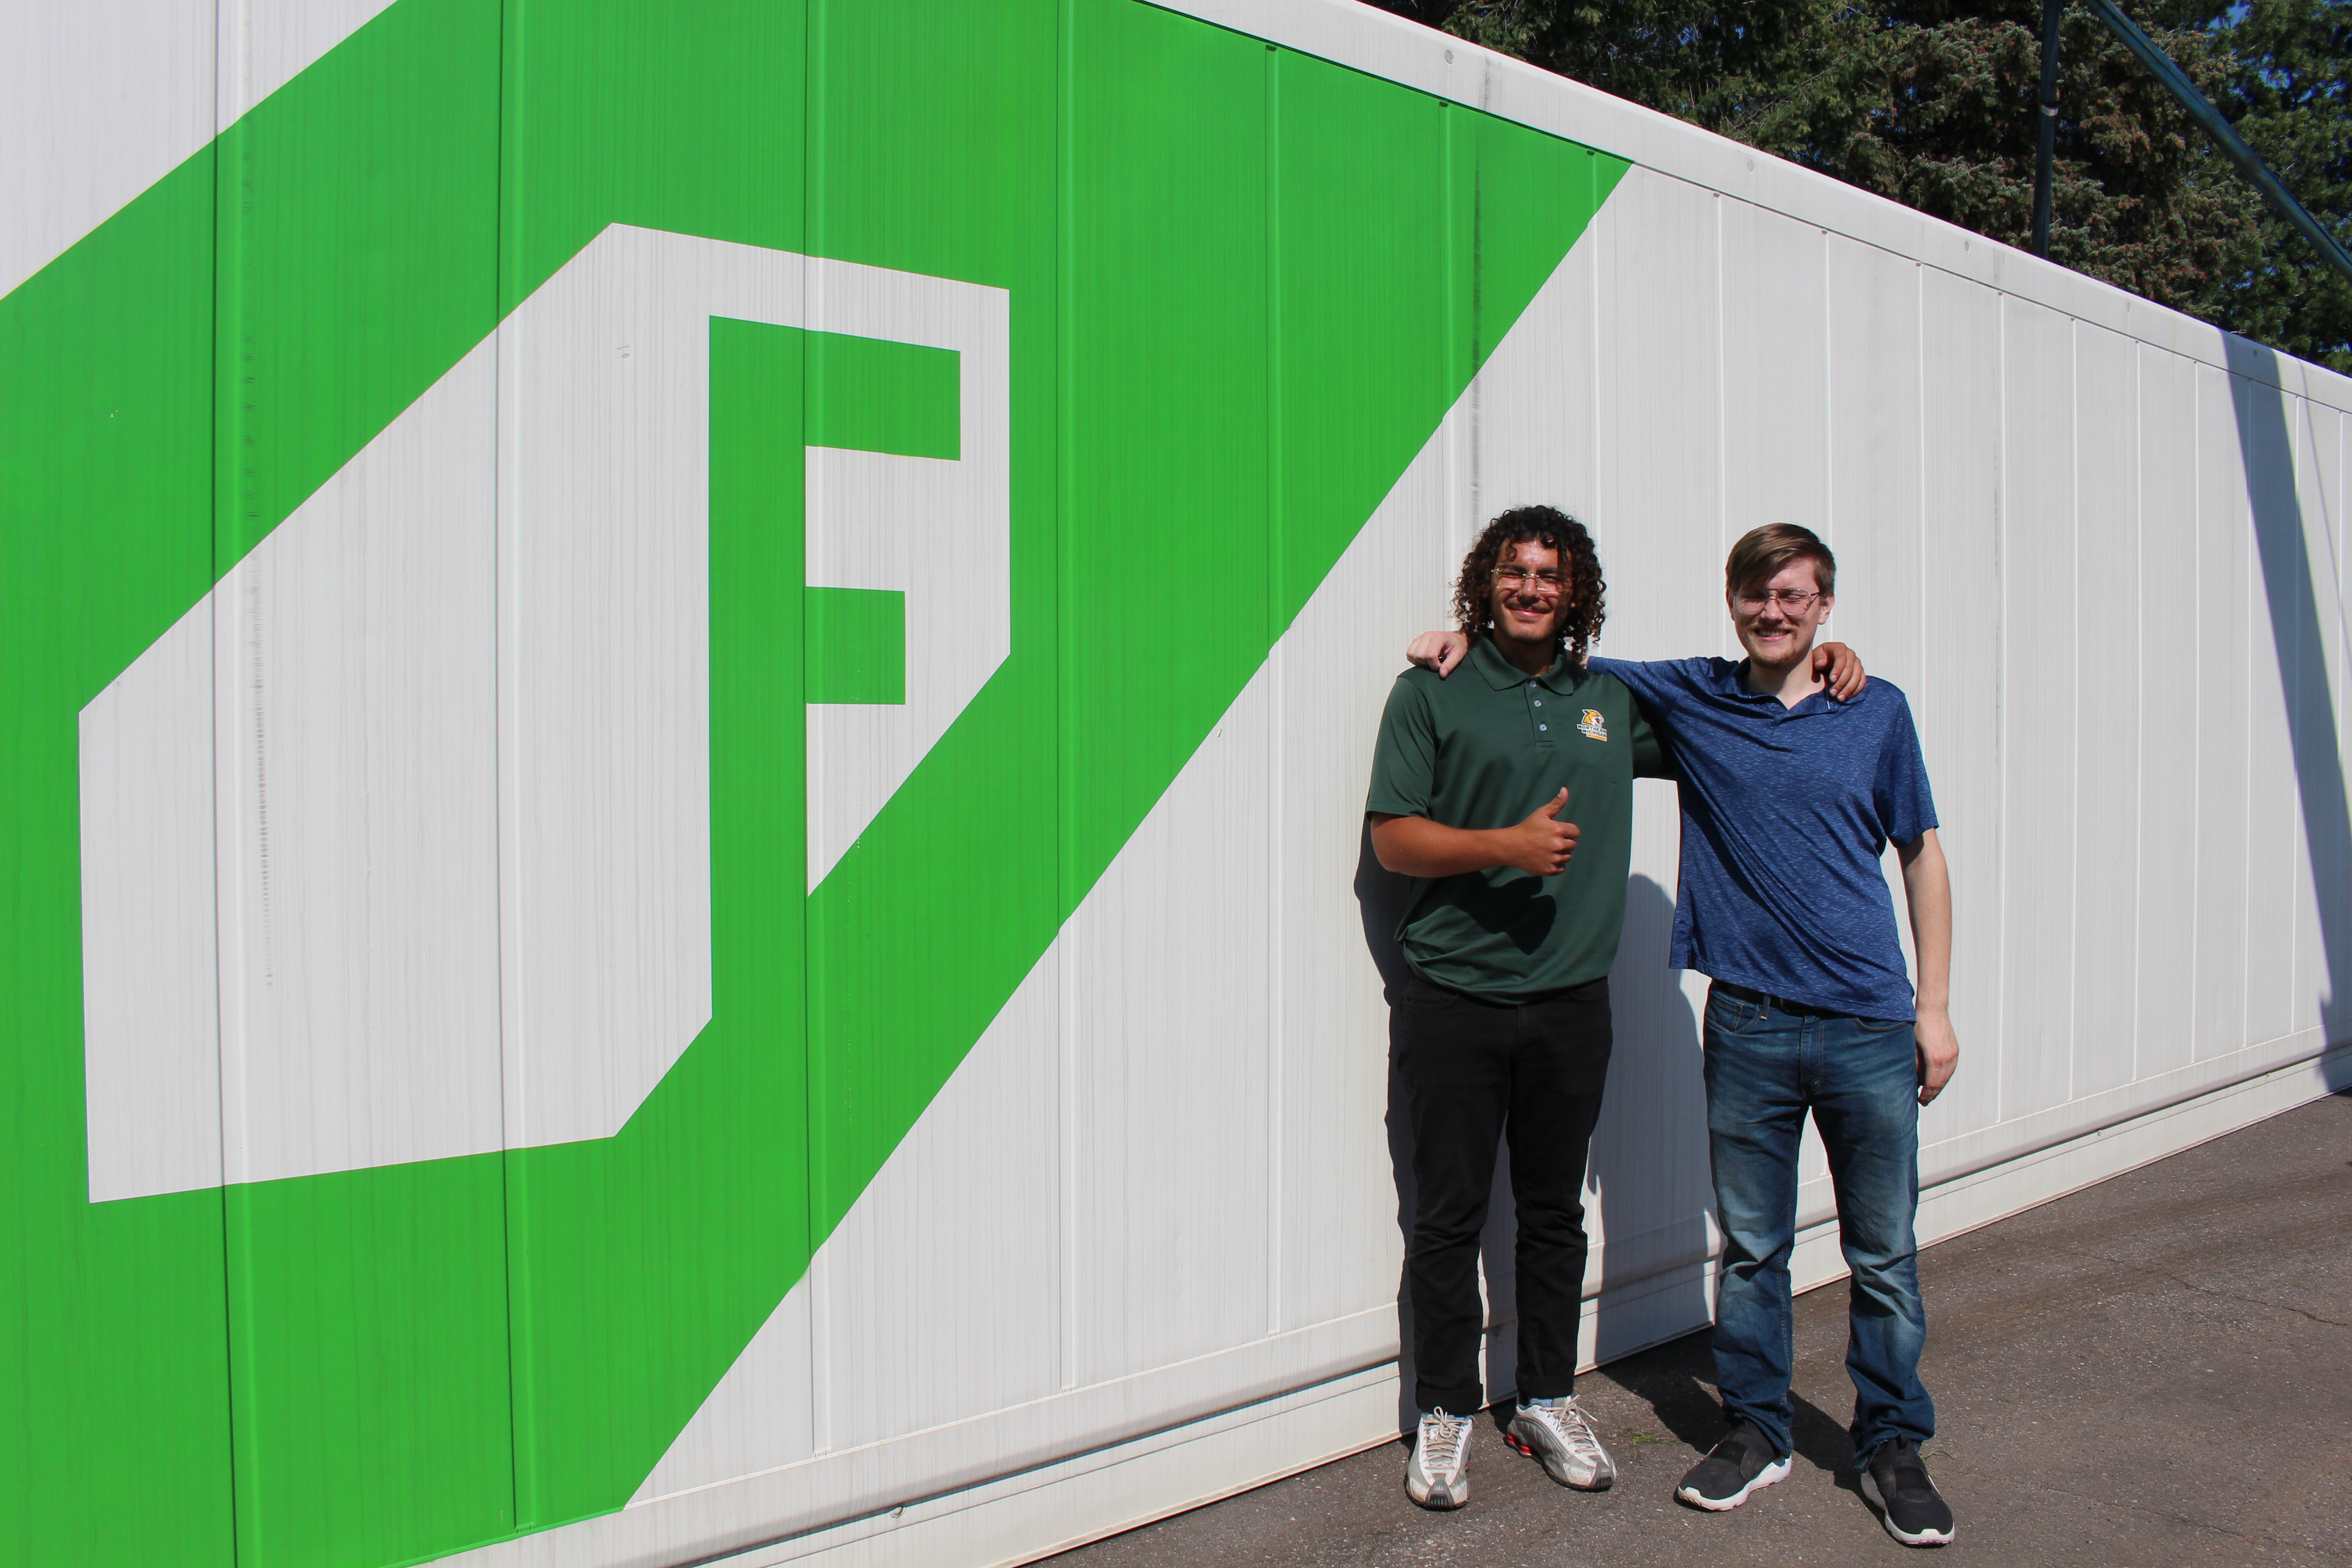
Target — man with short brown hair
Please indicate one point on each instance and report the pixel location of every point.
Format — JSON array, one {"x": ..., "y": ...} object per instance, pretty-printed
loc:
[
  {"x": 1501, "y": 1025},
  {"x": 1788, "y": 798},
  {"x": 1790, "y": 794}
]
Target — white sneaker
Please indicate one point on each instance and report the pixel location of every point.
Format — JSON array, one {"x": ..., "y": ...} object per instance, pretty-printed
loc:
[
  {"x": 1437, "y": 1474},
  {"x": 1555, "y": 1431}
]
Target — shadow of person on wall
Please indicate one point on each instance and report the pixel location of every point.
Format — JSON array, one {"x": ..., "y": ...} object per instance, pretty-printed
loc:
[
  {"x": 1380, "y": 898},
  {"x": 1653, "y": 1193},
  {"x": 2305, "y": 607},
  {"x": 1649, "y": 1191},
  {"x": 1648, "y": 1194}
]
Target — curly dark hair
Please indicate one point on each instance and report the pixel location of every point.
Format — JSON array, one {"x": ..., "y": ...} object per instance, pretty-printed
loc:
[{"x": 1586, "y": 595}]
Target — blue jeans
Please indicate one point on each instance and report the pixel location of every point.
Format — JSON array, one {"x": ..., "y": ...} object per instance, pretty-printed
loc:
[{"x": 1768, "y": 1063}]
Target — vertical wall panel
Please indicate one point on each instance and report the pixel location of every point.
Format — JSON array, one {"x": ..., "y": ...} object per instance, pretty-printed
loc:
[
  {"x": 1334, "y": 1239},
  {"x": 1342, "y": 1230},
  {"x": 1539, "y": 411},
  {"x": 2225, "y": 589},
  {"x": 939, "y": 162},
  {"x": 1661, "y": 442},
  {"x": 662, "y": 613},
  {"x": 2172, "y": 651},
  {"x": 1539, "y": 402},
  {"x": 1151, "y": 83},
  {"x": 1876, "y": 499},
  {"x": 351, "y": 274},
  {"x": 603, "y": 668},
  {"x": 1657, "y": 522},
  {"x": 2041, "y": 726},
  {"x": 621, "y": 1241},
  {"x": 2324, "y": 887},
  {"x": 149, "y": 955},
  {"x": 357, "y": 757},
  {"x": 2279, "y": 617},
  {"x": 113, "y": 1322},
  {"x": 1960, "y": 718},
  {"x": 1775, "y": 359},
  {"x": 1876, "y": 494},
  {"x": 1169, "y": 1253},
  {"x": 2107, "y": 783},
  {"x": 2340, "y": 524},
  {"x": 1174, "y": 1254},
  {"x": 942, "y": 1288},
  {"x": 1331, "y": 461}
]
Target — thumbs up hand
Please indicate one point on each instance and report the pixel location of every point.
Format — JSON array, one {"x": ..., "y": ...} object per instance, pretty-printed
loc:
[{"x": 1542, "y": 846}]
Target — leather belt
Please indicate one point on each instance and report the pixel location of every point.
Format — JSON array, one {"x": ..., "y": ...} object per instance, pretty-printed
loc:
[{"x": 1772, "y": 1003}]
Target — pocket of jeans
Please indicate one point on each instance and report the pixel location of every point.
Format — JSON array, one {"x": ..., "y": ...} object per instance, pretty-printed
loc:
[
  {"x": 1727, "y": 1016},
  {"x": 1875, "y": 1027}
]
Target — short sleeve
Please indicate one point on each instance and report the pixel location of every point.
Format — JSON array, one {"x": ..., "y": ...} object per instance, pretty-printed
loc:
[
  {"x": 1905, "y": 807},
  {"x": 1404, "y": 763},
  {"x": 1655, "y": 683}
]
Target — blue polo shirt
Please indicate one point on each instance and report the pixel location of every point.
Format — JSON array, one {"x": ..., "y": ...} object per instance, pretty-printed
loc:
[{"x": 1785, "y": 812}]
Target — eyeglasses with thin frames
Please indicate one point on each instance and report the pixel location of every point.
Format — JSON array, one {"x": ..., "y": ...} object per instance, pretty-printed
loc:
[
  {"x": 1791, "y": 601},
  {"x": 1516, "y": 578}
]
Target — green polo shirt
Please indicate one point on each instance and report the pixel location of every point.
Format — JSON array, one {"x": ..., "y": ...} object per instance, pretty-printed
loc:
[{"x": 1483, "y": 748}]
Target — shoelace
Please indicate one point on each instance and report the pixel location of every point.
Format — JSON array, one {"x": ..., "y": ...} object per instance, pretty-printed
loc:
[
  {"x": 1441, "y": 1441},
  {"x": 1567, "y": 1418}
]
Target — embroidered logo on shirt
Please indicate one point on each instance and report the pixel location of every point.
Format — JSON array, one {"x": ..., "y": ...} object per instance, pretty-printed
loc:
[{"x": 1592, "y": 726}]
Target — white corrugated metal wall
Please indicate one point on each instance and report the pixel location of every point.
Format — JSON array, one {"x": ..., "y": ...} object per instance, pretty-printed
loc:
[
  {"x": 1144, "y": 1249},
  {"x": 2099, "y": 545}
]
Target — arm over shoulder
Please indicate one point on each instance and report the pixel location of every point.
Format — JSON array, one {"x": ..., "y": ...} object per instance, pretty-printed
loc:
[
  {"x": 1653, "y": 684},
  {"x": 1657, "y": 684}
]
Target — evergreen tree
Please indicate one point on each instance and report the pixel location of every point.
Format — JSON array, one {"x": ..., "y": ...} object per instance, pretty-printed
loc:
[
  {"x": 1932, "y": 102},
  {"x": 2286, "y": 84}
]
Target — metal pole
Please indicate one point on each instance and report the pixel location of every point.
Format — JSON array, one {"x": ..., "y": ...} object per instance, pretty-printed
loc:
[
  {"x": 2224, "y": 134},
  {"x": 2051, "y": 9}
]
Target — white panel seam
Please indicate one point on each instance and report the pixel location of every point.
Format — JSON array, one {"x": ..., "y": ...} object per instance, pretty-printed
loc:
[
  {"x": 2074, "y": 697},
  {"x": 2140, "y": 713}
]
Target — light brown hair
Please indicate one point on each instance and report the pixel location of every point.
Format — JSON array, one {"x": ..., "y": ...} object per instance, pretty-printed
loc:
[{"x": 1762, "y": 553}]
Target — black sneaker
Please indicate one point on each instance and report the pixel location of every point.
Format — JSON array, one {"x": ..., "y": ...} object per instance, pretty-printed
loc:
[
  {"x": 1908, "y": 1504},
  {"x": 1737, "y": 1466}
]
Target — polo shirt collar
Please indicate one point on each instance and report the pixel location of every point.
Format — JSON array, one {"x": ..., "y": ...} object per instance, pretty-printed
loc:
[
  {"x": 1734, "y": 684},
  {"x": 1563, "y": 678}
]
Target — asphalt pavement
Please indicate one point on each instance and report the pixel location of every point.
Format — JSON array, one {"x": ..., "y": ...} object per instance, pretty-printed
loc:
[{"x": 2156, "y": 1370}]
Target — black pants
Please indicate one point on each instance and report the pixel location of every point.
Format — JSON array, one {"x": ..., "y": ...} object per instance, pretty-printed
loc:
[{"x": 1469, "y": 1070}]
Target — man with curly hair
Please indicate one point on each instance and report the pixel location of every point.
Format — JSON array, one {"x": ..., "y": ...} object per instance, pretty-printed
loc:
[
  {"x": 1789, "y": 800},
  {"x": 1501, "y": 1025}
]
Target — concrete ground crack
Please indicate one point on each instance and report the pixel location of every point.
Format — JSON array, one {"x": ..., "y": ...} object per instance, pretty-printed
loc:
[{"x": 2188, "y": 1284}]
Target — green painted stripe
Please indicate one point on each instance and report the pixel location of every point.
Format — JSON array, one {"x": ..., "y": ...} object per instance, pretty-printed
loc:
[
  {"x": 113, "y": 1340},
  {"x": 856, "y": 646},
  {"x": 1245, "y": 286},
  {"x": 868, "y": 395}
]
